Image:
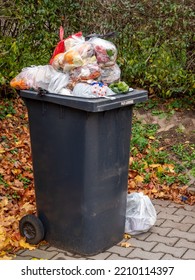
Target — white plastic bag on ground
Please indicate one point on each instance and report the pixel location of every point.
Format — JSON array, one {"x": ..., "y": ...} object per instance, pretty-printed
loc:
[{"x": 140, "y": 214}]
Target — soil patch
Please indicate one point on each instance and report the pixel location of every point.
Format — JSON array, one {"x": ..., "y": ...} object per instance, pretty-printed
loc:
[{"x": 174, "y": 129}]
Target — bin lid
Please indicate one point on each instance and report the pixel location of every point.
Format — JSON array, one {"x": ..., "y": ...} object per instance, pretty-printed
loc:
[{"x": 90, "y": 104}]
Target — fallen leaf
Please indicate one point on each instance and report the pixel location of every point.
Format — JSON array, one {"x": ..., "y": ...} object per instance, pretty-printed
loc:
[
  {"x": 160, "y": 169},
  {"x": 125, "y": 244},
  {"x": 132, "y": 174},
  {"x": 161, "y": 194},
  {"x": 26, "y": 245},
  {"x": 132, "y": 184},
  {"x": 127, "y": 236},
  {"x": 4, "y": 202},
  {"x": 16, "y": 171},
  {"x": 28, "y": 207},
  {"x": 154, "y": 190},
  {"x": 131, "y": 160},
  {"x": 139, "y": 179},
  {"x": 3, "y": 256},
  {"x": 169, "y": 167}
]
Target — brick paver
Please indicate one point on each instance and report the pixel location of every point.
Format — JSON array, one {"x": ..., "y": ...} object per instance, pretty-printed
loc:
[
  {"x": 175, "y": 252},
  {"x": 192, "y": 229},
  {"x": 145, "y": 255},
  {"x": 182, "y": 234},
  {"x": 189, "y": 255},
  {"x": 170, "y": 241},
  {"x": 172, "y": 237},
  {"x": 181, "y": 226},
  {"x": 183, "y": 243}
]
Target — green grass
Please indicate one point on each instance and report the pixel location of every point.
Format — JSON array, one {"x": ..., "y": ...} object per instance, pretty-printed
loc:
[
  {"x": 145, "y": 149},
  {"x": 6, "y": 109}
]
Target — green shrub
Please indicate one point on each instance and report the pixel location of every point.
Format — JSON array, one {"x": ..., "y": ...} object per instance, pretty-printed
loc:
[{"x": 34, "y": 39}]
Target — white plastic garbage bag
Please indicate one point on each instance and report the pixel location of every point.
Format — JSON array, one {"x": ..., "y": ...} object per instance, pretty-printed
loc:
[
  {"x": 140, "y": 214},
  {"x": 92, "y": 90},
  {"x": 42, "y": 76}
]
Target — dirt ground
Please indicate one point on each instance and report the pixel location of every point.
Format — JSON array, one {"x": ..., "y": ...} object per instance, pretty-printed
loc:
[
  {"x": 176, "y": 128},
  {"x": 179, "y": 127}
]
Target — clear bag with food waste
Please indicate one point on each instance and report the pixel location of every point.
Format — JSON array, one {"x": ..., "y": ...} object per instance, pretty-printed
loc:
[
  {"x": 42, "y": 76},
  {"x": 110, "y": 74},
  {"x": 105, "y": 51}
]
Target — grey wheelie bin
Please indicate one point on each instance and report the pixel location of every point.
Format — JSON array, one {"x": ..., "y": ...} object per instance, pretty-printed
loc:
[{"x": 80, "y": 152}]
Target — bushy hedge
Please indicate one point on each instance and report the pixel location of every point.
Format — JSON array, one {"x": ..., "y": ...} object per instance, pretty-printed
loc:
[{"x": 155, "y": 38}]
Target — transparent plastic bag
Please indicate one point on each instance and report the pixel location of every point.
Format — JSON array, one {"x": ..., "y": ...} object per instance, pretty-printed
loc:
[
  {"x": 45, "y": 77},
  {"x": 74, "y": 40},
  {"x": 79, "y": 55},
  {"x": 27, "y": 77},
  {"x": 90, "y": 71},
  {"x": 110, "y": 74},
  {"x": 65, "y": 44},
  {"x": 105, "y": 51},
  {"x": 93, "y": 90},
  {"x": 140, "y": 214}
]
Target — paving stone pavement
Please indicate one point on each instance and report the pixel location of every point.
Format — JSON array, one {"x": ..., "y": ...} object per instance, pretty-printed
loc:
[{"x": 171, "y": 238}]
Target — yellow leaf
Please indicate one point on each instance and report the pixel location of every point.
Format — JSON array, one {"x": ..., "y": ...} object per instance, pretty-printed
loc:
[
  {"x": 161, "y": 194},
  {"x": 139, "y": 179},
  {"x": 155, "y": 165},
  {"x": 2, "y": 253},
  {"x": 154, "y": 190},
  {"x": 145, "y": 164},
  {"x": 2, "y": 236},
  {"x": 3, "y": 256},
  {"x": 35, "y": 259},
  {"x": 26, "y": 245},
  {"x": 131, "y": 160},
  {"x": 166, "y": 188},
  {"x": 5, "y": 243},
  {"x": 28, "y": 207},
  {"x": 160, "y": 169},
  {"x": 151, "y": 137},
  {"x": 127, "y": 236},
  {"x": 132, "y": 184},
  {"x": 4, "y": 202},
  {"x": 169, "y": 167},
  {"x": 125, "y": 244},
  {"x": 16, "y": 171}
]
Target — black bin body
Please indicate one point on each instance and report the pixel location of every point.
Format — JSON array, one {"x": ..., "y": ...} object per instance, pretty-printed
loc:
[{"x": 80, "y": 151}]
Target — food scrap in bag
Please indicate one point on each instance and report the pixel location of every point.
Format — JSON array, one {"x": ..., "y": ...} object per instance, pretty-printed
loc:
[
  {"x": 66, "y": 44},
  {"x": 110, "y": 74},
  {"x": 87, "y": 72},
  {"x": 105, "y": 51},
  {"x": 80, "y": 54}
]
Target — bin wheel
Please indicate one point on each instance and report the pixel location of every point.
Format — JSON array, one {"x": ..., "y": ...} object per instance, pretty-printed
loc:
[{"x": 32, "y": 228}]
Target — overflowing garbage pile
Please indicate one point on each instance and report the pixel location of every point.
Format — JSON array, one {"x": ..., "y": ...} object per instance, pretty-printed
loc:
[{"x": 78, "y": 67}]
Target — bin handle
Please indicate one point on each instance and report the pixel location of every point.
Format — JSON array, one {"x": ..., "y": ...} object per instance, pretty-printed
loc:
[{"x": 109, "y": 97}]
